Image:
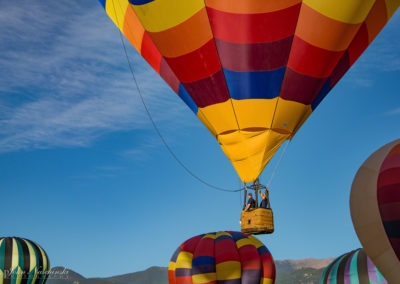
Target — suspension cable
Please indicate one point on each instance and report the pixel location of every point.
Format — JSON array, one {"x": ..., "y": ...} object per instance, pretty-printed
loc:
[
  {"x": 278, "y": 163},
  {"x": 156, "y": 127}
]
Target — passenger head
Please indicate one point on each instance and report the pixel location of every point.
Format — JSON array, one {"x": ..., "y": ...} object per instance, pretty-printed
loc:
[{"x": 250, "y": 195}]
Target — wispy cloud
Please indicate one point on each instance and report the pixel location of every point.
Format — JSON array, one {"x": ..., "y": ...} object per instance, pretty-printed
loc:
[
  {"x": 392, "y": 112},
  {"x": 100, "y": 172},
  {"x": 64, "y": 80},
  {"x": 143, "y": 150}
]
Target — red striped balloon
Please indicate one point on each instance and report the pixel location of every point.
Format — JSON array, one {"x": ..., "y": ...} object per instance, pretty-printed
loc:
[
  {"x": 222, "y": 257},
  {"x": 252, "y": 71},
  {"x": 375, "y": 209},
  {"x": 389, "y": 197}
]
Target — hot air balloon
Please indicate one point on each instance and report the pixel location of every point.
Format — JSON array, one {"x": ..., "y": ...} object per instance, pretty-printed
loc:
[
  {"x": 375, "y": 209},
  {"x": 352, "y": 267},
  {"x": 22, "y": 261},
  {"x": 251, "y": 70},
  {"x": 226, "y": 257}
]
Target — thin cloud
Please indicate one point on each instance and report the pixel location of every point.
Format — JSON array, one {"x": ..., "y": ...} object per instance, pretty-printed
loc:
[
  {"x": 64, "y": 80},
  {"x": 144, "y": 150},
  {"x": 393, "y": 112}
]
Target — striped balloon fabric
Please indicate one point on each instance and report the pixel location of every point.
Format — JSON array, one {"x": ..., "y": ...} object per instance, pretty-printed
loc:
[
  {"x": 389, "y": 197},
  {"x": 352, "y": 268},
  {"x": 22, "y": 262},
  {"x": 375, "y": 209},
  {"x": 222, "y": 257},
  {"x": 251, "y": 70}
]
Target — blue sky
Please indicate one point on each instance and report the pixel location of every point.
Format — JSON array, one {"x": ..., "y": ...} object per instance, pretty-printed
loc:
[{"x": 83, "y": 173}]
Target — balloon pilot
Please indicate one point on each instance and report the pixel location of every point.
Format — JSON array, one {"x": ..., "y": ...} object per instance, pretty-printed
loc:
[
  {"x": 265, "y": 198},
  {"x": 251, "y": 203}
]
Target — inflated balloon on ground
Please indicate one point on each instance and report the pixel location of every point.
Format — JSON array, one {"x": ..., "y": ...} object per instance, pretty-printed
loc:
[
  {"x": 232, "y": 257},
  {"x": 251, "y": 70},
  {"x": 375, "y": 209},
  {"x": 22, "y": 261},
  {"x": 353, "y": 267}
]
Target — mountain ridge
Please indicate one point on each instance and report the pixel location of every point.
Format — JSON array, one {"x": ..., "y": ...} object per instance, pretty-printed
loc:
[{"x": 288, "y": 271}]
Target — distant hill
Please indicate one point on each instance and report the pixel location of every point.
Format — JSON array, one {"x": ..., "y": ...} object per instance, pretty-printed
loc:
[
  {"x": 292, "y": 265},
  {"x": 304, "y": 271},
  {"x": 300, "y": 276},
  {"x": 153, "y": 275},
  {"x": 61, "y": 275}
]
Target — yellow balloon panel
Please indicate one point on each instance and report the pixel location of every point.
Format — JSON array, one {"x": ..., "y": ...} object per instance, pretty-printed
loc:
[
  {"x": 288, "y": 115},
  {"x": 204, "y": 278},
  {"x": 116, "y": 11},
  {"x": 161, "y": 15},
  {"x": 346, "y": 11},
  {"x": 228, "y": 270},
  {"x": 250, "y": 151},
  {"x": 254, "y": 113},
  {"x": 219, "y": 117},
  {"x": 14, "y": 263},
  {"x": 392, "y": 6},
  {"x": 184, "y": 260}
]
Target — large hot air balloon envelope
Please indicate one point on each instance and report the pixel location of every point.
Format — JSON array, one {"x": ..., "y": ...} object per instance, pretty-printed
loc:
[
  {"x": 353, "y": 267},
  {"x": 222, "y": 257},
  {"x": 375, "y": 209},
  {"x": 251, "y": 70},
  {"x": 22, "y": 262}
]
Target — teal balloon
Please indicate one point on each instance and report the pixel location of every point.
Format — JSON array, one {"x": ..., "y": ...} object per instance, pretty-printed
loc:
[
  {"x": 354, "y": 267},
  {"x": 22, "y": 262}
]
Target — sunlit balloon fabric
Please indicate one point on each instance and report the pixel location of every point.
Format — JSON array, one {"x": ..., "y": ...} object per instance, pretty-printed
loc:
[
  {"x": 22, "y": 262},
  {"x": 375, "y": 209},
  {"x": 251, "y": 70},
  {"x": 222, "y": 257},
  {"x": 353, "y": 267}
]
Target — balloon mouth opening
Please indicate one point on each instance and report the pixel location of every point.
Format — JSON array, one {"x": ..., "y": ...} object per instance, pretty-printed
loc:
[{"x": 257, "y": 129}]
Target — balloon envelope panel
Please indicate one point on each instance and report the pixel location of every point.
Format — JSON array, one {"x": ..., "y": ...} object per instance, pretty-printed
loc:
[
  {"x": 389, "y": 197},
  {"x": 222, "y": 257},
  {"x": 352, "y": 267},
  {"x": 22, "y": 262},
  {"x": 375, "y": 207},
  {"x": 252, "y": 71}
]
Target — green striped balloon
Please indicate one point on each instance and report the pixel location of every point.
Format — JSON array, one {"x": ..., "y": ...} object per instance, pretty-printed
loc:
[
  {"x": 22, "y": 262},
  {"x": 354, "y": 267}
]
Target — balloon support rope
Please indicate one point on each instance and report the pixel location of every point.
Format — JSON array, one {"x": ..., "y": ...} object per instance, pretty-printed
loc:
[
  {"x": 156, "y": 127},
  {"x": 277, "y": 164}
]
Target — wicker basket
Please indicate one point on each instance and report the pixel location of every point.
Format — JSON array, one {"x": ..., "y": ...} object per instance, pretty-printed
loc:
[{"x": 257, "y": 221}]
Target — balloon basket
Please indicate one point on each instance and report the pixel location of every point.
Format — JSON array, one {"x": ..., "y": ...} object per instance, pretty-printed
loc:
[{"x": 257, "y": 221}]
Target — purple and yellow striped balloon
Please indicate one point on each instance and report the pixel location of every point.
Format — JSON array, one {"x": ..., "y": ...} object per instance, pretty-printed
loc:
[
  {"x": 352, "y": 268},
  {"x": 222, "y": 257}
]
